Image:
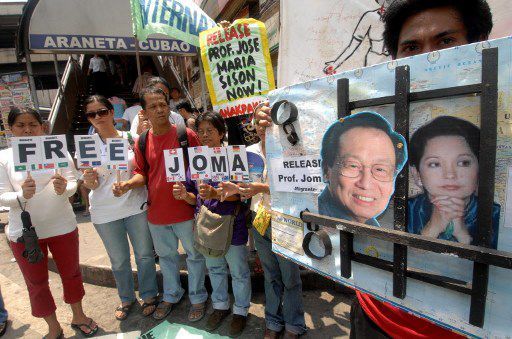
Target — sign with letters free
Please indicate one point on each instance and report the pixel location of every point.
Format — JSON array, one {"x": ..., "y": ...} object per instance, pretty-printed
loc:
[
  {"x": 117, "y": 154},
  {"x": 37, "y": 153},
  {"x": 88, "y": 153}
]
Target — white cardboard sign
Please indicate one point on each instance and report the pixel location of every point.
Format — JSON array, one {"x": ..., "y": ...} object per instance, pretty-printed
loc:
[
  {"x": 219, "y": 164},
  {"x": 88, "y": 151},
  {"x": 117, "y": 154},
  {"x": 238, "y": 164},
  {"x": 174, "y": 165},
  {"x": 27, "y": 153},
  {"x": 199, "y": 159},
  {"x": 54, "y": 151}
]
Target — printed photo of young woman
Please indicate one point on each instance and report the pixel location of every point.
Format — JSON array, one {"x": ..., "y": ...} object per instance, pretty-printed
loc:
[{"x": 444, "y": 164}]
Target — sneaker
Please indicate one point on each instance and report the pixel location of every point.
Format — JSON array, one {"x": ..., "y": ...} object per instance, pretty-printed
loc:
[
  {"x": 237, "y": 325},
  {"x": 215, "y": 319}
]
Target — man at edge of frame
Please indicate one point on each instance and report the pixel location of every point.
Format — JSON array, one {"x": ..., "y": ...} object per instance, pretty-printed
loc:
[{"x": 413, "y": 27}]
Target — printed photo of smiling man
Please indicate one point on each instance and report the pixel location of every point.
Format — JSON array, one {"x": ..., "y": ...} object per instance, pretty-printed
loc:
[
  {"x": 361, "y": 157},
  {"x": 444, "y": 164}
]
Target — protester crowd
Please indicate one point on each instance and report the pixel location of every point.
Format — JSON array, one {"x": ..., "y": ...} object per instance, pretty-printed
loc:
[{"x": 142, "y": 209}]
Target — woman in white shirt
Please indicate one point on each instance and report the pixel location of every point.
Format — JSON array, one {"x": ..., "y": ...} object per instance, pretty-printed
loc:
[
  {"x": 44, "y": 194},
  {"x": 118, "y": 218}
]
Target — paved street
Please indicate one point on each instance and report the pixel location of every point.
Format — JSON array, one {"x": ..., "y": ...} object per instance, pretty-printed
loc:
[{"x": 327, "y": 312}]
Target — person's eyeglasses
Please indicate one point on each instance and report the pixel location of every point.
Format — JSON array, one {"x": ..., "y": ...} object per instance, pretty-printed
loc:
[
  {"x": 101, "y": 113},
  {"x": 353, "y": 169}
]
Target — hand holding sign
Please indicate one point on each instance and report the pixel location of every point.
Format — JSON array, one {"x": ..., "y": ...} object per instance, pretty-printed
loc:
[
  {"x": 227, "y": 189},
  {"x": 248, "y": 190},
  {"x": 207, "y": 192},
  {"x": 120, "y": 188},
  {"x": 179, "y": 191},
  {"x": 90, "y": 177},
  {"x": 59, "y": 184},
  {"x": 28, "y": 187}
]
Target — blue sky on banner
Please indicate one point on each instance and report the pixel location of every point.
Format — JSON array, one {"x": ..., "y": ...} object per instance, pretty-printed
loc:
[{"x": 180, "y": 19}]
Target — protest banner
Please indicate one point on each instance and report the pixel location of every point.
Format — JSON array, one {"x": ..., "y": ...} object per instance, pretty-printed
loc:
[
  {"x": 27, "y": 153},
  {"x": 117, "y": 154},
  {"x": 88, "y": 151},
  {"x": 199, "y": 158},
  {"x": 174, "y": 165},
  {"x": 237, "y": 66},
  {"x": 238, "y": 164},
  {"x": 219, "y": 162},
  {"x": 55, "y": 151},
  {"x": 180, "y": 19},
  {"x": 370, "y": 223}
]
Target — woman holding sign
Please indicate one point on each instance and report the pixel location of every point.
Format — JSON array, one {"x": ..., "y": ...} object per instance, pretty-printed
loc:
[
  {"x": 44, "y": 194},
  {"x": 207, "y": 199},
  {"x": 118, "y": 219}
]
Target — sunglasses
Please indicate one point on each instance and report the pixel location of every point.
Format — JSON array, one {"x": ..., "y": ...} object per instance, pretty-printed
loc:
[{"x": 101, "y": 113}]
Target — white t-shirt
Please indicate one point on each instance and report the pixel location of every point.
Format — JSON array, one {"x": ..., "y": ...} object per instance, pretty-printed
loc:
[
  {"x": 174, "y": 118},
  {"x": 105, "y": 207},
  {"x": 131, "y": 112},
  {"x": 51, "y": 214},
  {"x": 260, "y": 197},
  {"x": 97, "y": 65}
]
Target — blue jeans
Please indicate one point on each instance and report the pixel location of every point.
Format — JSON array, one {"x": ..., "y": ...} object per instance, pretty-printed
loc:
[
  {"x": 3, "y": 311},
  {"x": 165, "y": 238},
  {"x": 115, "y": 235},
  {"x": 283, "y": 288},
  {"x": 236, "y": 258}
]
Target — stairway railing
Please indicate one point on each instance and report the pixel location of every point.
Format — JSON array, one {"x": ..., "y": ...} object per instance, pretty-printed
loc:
[{"x": 73, "y": 83}]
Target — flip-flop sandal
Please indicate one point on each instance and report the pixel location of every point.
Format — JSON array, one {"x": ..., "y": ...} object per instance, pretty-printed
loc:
[
  {"x": 165, "y": 307},
  {"x": 125, "y": 311},
  {"x": 200, "y": 309},
  {"x": 78, "y": 327},
  {"x": 145, "y": 305},
  {"x": 60, "y": 336}
]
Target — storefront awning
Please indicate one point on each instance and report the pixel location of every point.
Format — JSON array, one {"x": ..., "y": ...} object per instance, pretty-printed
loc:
[{"x": 92, "y": 26}]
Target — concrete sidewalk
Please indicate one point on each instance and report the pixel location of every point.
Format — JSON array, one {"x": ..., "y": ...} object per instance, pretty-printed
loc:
[
  {"x": 327, "y": 306},
  {"x": 96, "y": 270}
]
